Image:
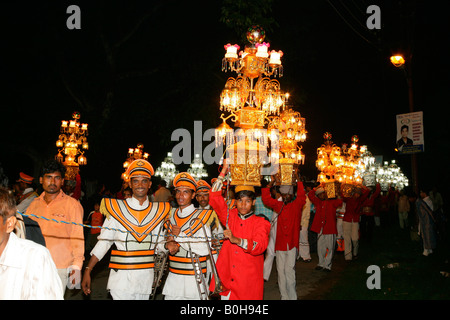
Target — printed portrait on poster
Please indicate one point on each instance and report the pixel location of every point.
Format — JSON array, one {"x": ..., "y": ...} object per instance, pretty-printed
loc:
[{"x": 410, "y": 133}]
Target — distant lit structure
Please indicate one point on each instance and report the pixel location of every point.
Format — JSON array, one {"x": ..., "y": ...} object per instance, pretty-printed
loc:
[
  {"x": 134, "y": 154},
  {"x": 71, "y": 144},
  {"x": 167, "y": 170},
  {"x": 197, "y": 169}
]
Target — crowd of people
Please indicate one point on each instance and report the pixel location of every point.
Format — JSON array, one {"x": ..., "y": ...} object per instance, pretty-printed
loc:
[{"x": 213, "y": 240}]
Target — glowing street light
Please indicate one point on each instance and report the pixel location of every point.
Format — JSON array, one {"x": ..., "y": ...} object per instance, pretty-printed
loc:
[{"x": 397, "y": 60}]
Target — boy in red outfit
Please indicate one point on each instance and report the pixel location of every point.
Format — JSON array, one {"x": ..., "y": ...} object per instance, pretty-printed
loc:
[{"x": 241, "y": 259}]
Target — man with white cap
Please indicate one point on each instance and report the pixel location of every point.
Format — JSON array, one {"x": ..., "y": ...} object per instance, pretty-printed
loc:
[
  {"x": 133, "y": 225},
  {"x": 324, "y": 224},
  {"x": 287, "y": 237}
]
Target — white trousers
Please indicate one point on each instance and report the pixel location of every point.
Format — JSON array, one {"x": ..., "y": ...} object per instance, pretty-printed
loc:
[
  {"x": 351, "y": 239},
  {"x": 123, "y": 295},
  {"x": 403, "y": 219},
  {"x": 325, "y": 249},
  {"x": 270, "y": 251},
  {"x": 286, "y": 273},
  {"x": 304, "y": 251},
  {"x": 64, "y": 276}
]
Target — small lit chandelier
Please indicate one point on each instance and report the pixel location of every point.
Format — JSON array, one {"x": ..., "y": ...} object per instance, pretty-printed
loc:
[
  {"x": 72, "y": 143},
  {"x": 289, "y": 130},
  {"x": 329, "y": 162},
  {"x": 390, "y": 175},
  {"x": 367, "y": 168},
  {"x": 134, "y": 154},
  {"x": 197, "y": 169},
  {"x": 249, "y": 104},
  {"x": 348, "y": 175},
  {"x": 167, "y": 170}
]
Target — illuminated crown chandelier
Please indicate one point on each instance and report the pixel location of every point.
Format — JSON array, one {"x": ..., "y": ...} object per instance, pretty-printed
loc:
[
  {"x": 72, "y": 143},
  {"x": 134, "y": 154},
  {"x": 249, "y": 104}
]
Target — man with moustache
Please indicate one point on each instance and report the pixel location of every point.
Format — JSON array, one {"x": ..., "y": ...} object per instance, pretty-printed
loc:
[
  {"x": 65, "y": 241},
  {"x": 134, "y": 225}
]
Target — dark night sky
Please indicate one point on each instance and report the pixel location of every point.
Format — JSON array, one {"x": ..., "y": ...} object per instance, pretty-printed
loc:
[{"x": 167, "y": 75}]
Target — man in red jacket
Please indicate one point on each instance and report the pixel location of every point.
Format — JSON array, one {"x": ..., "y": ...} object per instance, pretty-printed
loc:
[
  {"x": 351, "y": 222},
  {"x": 288, "y": 231},
  {"x": 324, "y": 224},
  {"x": 368, "y": 213}
]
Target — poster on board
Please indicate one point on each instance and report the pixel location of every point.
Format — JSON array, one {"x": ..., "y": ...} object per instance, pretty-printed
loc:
[{"x": 410, "y": 133}]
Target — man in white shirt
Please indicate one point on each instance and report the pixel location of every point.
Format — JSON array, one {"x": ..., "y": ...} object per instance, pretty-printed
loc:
[
  {"x": 140, "y": 222},
  {"x": 27, "y": 270},
  {"x": 187, "y": 239}
]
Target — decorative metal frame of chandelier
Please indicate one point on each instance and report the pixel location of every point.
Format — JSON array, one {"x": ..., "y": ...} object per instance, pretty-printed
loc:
[
  {"x": 134, "y": 154},
  {"x": 167, "y": 170},
  {"x": 71, "y": 144}
]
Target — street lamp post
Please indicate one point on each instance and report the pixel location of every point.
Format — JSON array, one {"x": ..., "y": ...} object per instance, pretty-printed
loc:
[{"x": 399, "y": 62}]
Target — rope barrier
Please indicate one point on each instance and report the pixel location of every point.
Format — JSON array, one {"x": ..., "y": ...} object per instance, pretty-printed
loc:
[{"x": 217, "y": 237}]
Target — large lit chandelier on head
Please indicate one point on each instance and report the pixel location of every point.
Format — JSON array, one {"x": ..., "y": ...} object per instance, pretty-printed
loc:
[
  {"x": 134, "y": 154},
  {"x": 72, "y": 143},
  {"x": 167, "y": 170},
  {"x": 249, "y": 99}
]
